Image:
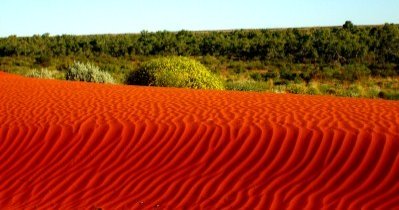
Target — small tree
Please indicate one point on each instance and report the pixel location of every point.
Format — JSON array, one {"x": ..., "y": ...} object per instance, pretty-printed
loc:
[{"x": 348, "y": 25}]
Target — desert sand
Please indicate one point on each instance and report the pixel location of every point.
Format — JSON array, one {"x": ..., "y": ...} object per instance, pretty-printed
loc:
[{"x": 75, "y": 145}]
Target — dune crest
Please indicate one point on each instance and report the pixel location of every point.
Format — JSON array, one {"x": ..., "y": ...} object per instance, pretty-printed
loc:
[{"x": 69, "y": 145}]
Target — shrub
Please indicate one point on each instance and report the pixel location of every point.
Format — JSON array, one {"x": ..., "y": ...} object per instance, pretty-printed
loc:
[
  {"x": 330, "y": 72},
  {"x": 256, "y": 76},
  {"x": 313, "y": 88},
  {"x": 271, "y": 75},
  {"x": 43, "y": 73},
  {"x": 373, "y": 91},
  {"x": 212, "y": 63},
  {"x": 43, "y": 60},
  {"x": 327, "y": 89},
  {"x": 356, "y": 90},
  {"x": 305, "y": 76},
  {"x": 354, "y": 72},
  {"x": 247, "y": 85},
  {"x": 237, "y": 67},
  {"x": 312, "y": 91},
  {"x": 87, "y": 72},
  {"x": 270, "y": 84},
  {"x": 391, "y": 95},
  {"x": 296, "y": 88},
  {"x": 280, "y": 81},
  {"x": 175, "y": 72},
  {"x": 288, "y": 75},
  {"x": 353, "y": 90}
]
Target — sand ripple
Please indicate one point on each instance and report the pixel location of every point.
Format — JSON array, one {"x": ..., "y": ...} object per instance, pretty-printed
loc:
[{"x": 69, "y": 145}]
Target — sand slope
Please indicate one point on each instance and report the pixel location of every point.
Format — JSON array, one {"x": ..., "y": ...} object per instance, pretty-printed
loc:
[{"x": 69, "y": 145}]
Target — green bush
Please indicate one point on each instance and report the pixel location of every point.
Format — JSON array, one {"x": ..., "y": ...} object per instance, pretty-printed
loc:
[
  {"x": 312, "y": 91},
  {"x": 288, "y": 74},
  {"x": 87, "y": 72},
  {"x": 354, "y": 72},
  {"x": 355, "y": 90},
  {"x": 256, "y": 76},
  {"x": 391, "y": 95},
  {"x": 305, "y": 76},
  {"x": 212, "y": 63},
  {"x": 296, "y": 88},
  {"x": 330, "y": 72},
  {"x": 373, "y": 91},
  {"x": 326, "y": 89},
  {"x": 175, "y": 72},
  {"x": 43, "y": 60},
  {"x": 271, "y": 75},
  {"x": 237, "y": 67},
  {"x": 247, "y": 85},
  {"x": 255, "y": 65}
]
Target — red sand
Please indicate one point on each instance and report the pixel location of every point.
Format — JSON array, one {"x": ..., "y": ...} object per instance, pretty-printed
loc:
[{"x": 69, "y": 145}]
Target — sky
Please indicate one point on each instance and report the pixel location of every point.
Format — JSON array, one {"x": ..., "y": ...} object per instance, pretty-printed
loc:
[{"x": 57, "y": 17}]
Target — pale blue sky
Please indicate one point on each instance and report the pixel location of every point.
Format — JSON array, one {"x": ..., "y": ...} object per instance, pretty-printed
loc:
[{"x": 29, "y": 17}]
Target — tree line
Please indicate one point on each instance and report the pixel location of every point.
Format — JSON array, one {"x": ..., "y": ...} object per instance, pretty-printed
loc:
[{"x": 370, "y": 45}]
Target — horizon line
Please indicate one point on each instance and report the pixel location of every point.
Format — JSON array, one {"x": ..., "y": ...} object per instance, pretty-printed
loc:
[{"x": 197, "y": 31}]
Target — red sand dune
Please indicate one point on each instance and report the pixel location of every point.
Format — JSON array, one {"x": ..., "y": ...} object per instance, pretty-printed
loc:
[{"x": 70, "y": 145}]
